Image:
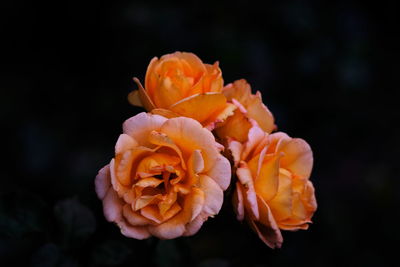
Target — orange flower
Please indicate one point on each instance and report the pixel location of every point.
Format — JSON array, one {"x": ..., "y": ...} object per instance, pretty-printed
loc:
[
  {"x": 180, "y": 84},
  {"x": 273, "y": 190},
  {"x": 250, "y": 111},
  {"x": 166, "y": 179}
]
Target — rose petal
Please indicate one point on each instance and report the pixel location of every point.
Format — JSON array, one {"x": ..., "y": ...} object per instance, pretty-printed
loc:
[
  {"x": 124, "y": 143},
  {"x": 112, "y": 206},
  {"x": 267, "y": 182},
  {"x": 140, "y": 126},
  {"x": 255, "y": 136},
  {"x": 298, "y": 157},
  {"x": 190, "y": 106},
  {"x": 281, "y": 204},
  {"x": 237, "y": 202},
  {"x": 246, "y": 181},
  {"x": 162, "y": 139},
  {"x": 196, "y": 162},
  {"x": 194, "y": 226},
  {"x": 137, "y": 232},
  {"x": 213, "y": 195},
  {"x": 175, "y": 226},
  {"x": 103, "y": 181},
  {"x": 266, "y": 227},
  {"x": 236, "y": 149},
  {"x": 220, "y": 172},
  {"x": 189, "y": 135},
  {"x": 134, "y": 218}
]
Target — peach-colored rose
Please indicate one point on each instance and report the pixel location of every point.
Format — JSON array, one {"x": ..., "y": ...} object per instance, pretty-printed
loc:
[
  {"x": 273, "y": 190},
  {"x": 180, "y": 84},
  {"x": 166, "y": 179},
  {"x": 250, "y": 111}
]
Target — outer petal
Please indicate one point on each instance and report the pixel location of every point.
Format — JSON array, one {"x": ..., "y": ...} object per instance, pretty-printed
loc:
[
  {"x": 213, "y": 195},
  {"x": 103, "y": 182},
  {"x": 189, "y": 135},
  {"x": 124, "y": 143},
  {"x": 250, "y": 199},
  {"x": 140, "y": 126},
  {"x": 298, "y": 157},
  {"x": 194, "y": 226},
  {"x": 190, "y": 106},
  {"x": 112, "y": 206},
  {"x": 260, "y": 113},
  {"x": 221, "y": 172},
  {"x": 236, "y": 149},
  {"x": 238, "y": 202},
  {"x": 134, "y": 218},
  {"x": 266, "y": 227},
  {"x": 137, "y": 232}
]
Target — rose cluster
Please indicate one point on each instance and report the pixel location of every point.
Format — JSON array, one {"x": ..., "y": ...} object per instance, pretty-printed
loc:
[{"x": 171, "y": 165}]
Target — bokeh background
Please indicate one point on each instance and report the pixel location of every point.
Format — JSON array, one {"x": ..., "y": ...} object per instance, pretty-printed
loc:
[{"x": 327, "y": 70}]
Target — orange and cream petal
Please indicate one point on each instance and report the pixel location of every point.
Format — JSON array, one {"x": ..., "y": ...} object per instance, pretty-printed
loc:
[
  {"x": 200, "y": 107},
  {"x": 103, "y": 182},
  {"x": 298, "y": 157},
  {"x": 140, "y": 126},
  {"x": 220, "y": 172},
  {"x": 189, "y": 135},
  {"x": 266, "y": 227}
]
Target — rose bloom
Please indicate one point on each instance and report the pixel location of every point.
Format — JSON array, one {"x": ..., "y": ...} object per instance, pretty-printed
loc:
[
  {"x": 166, "y": 179},
  {"x": 273, "y": 190},
  {"x": 250, "y": 111},
  {"x": 180, "y": 84}
]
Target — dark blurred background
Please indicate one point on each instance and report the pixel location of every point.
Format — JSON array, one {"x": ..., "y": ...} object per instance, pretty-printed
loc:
[{"x": 328, "y": 72}]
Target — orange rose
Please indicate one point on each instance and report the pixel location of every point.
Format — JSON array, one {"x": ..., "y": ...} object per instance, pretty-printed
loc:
[
  {"x": 250, "y": 111},
  {"x": 180, "y": 84},
  {"x": 166, "y": 179},
  {"x": 273, "y": 190}
]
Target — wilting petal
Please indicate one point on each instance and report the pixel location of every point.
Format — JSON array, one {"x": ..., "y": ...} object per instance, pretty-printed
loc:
[
  {"x": 220, "y": 172},
  {"x": 267, "y": 228},
  {"x": 137, "y": 232},
  {"x": 238, "y": 202},
  {"x": 246, "y": 181},
  {"x": 140, "y": 126},
  {"x": 189, "y": 135},
  {"x": 103, "y": 181},
  {"x": 112, "y": 206},
  {"x": 236, "y": 149},
  {"x": 213, "y": 195},
  {"x": 298, "y": 157},
  {"x": 193, "y": 106},
  {"x": 124, "y": 143}
]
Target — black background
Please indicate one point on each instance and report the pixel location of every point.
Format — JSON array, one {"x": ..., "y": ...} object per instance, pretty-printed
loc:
[{"x": 327, "y": 71}]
